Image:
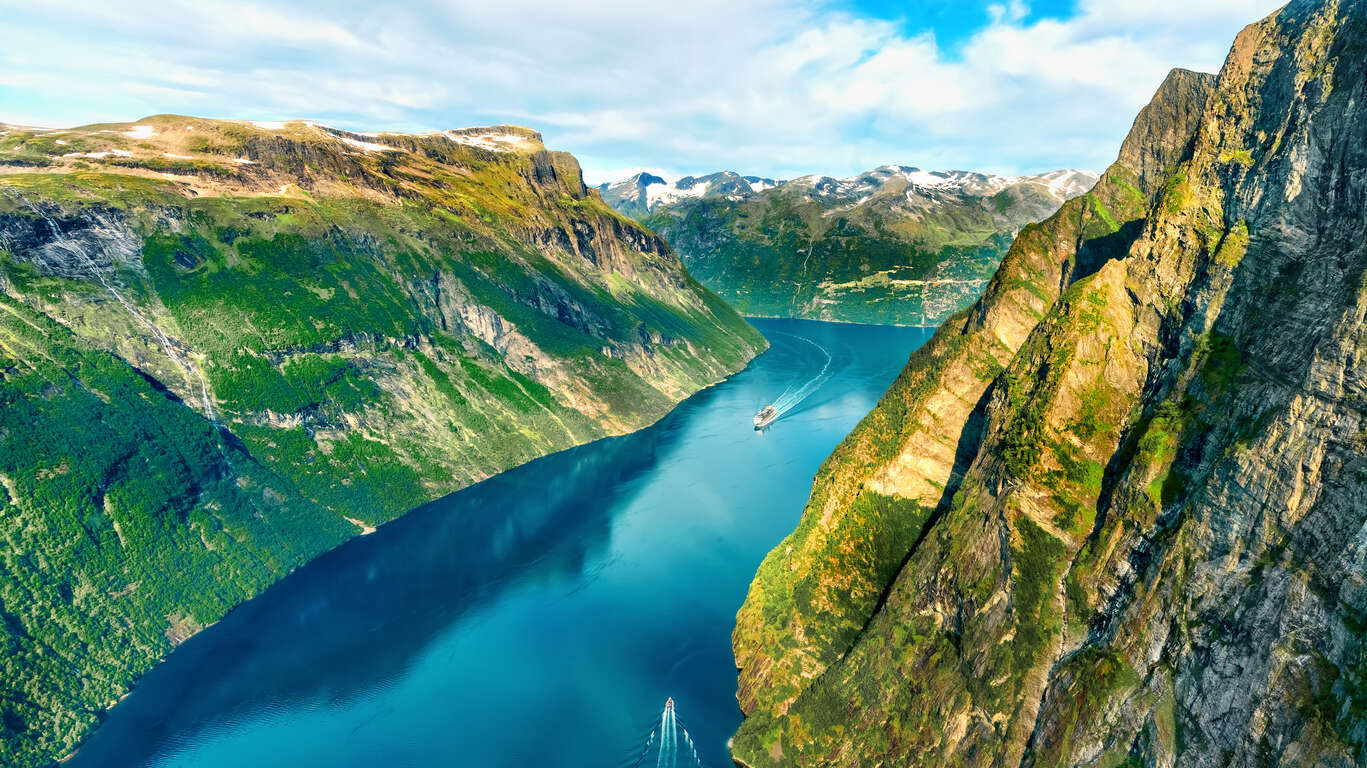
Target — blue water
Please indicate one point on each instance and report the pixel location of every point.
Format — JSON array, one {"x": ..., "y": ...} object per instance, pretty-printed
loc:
[{"x": 540, "y": 618}]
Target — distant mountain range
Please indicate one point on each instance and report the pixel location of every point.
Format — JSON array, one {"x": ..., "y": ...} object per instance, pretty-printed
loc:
[
  {"x": 644, "y": 192},
  {"x": 896, "y": 244}
]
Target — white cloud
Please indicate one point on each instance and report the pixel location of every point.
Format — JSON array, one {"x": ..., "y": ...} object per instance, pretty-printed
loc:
[
  {"x": 1010, "y": 13},
  {"x": 774, "y": 87}
]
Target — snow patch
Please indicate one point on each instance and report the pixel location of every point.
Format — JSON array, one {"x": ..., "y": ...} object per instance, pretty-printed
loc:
[
  {"x": 140, "y": 132},
  {"x": 961, "y": 182},
  {"x": 664, "y": 194},
  {"x": 921, "y": 186},
  {"x": 61, "y": 142},
  {"x": 243, "y": 161},
  {"x": 369, "y": 146},
  {"x": 178, "y": 157},
  {"x": 270, "y": 125},
  {"x": 495, "y": 142},
  {"x": 1069, "y": 183}
]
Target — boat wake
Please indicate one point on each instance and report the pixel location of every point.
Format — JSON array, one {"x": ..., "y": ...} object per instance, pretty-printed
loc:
[
  {"x": 663, "y": 747},
  {"x": 793, "y": 396}
]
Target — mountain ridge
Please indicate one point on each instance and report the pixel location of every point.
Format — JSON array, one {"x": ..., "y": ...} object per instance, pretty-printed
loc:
[
  {"x": 894, "y": 245},
  {"x": 634, "y": 195},
  {"x": 1110, "y": 515},
  {"x": 227, "y": 347}
]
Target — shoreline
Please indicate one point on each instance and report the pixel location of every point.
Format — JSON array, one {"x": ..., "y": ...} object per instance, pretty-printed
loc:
[
  {"x": 617, "y": 461},
  {"x": 748, "y": 316},
  {"x": 365, "y": 530}
]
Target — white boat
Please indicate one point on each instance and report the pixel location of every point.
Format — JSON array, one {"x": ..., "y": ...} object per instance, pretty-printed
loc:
[{"x": 765, "y": 417}]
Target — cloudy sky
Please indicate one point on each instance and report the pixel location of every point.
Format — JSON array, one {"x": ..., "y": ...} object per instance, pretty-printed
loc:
[{"x": 772, "y": 87}]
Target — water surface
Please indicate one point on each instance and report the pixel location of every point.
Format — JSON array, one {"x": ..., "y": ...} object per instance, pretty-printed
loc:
[{"x": 539, "y": 618}]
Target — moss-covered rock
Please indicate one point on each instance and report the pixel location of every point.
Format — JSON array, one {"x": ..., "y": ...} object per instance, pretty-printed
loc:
[{"x": 1147, "y": 544}]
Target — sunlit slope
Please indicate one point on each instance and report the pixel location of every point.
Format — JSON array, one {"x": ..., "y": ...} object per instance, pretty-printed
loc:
[
  {"x": 229, "y": 346},
  {"x": 1112, "y": 514}
]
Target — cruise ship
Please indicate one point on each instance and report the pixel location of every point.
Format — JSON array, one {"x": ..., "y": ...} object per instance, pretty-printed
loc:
[{"x": 765, "y": 417}]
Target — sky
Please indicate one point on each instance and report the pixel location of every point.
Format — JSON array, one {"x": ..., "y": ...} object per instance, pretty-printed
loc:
[{"x": 778, "y": 88}]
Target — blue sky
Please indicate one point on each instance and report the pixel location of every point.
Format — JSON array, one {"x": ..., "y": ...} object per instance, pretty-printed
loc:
[{"x": 771, "y": 87}]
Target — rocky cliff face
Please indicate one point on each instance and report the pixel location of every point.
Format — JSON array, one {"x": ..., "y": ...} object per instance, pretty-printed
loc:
[
  {"x": 226, "y": 347},
  {"x": 894, "y": 245},
  {"x": 1113, "y": 514}
]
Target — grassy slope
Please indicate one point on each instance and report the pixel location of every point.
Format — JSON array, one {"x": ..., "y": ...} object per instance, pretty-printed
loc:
[
  {"x": 129, "y": 522},
  {"x": 781, "y": 253},
  {"x": 211, "y": 376}
]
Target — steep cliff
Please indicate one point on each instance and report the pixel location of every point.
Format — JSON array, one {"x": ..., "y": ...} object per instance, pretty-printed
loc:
[
  {"x": 1113, "y": 513},
  {"x": 226, "y": 347},
  {"x": 894, "y": 245}
]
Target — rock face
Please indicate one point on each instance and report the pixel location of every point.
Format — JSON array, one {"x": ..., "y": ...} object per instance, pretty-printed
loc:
[
  {"x": 1116, "y": 512},
  {"x": 894, "y": 245},
  {"x": 227, "y": 347}
]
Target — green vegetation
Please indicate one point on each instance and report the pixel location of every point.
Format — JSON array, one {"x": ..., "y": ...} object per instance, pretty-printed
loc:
[
  {"x": 208, "y": 380},
  {"x": 1219, "y": 362},
  {"x": 1036, "y": 566},
  {"x": 1233, "y": 246},
  {"x": 1174, "y": 196},
  {"x": 1242, "y": 157},
  {"x": 877, "y": 536},
  {"x": 128, "y": 522},
  {"x": 1100, "y": 678},
  {"x": 785, "y": 252}
]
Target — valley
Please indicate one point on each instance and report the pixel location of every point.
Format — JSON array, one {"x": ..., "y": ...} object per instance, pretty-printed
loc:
[
  {"x": 896, "y": 245},
  {"x": 322, "y": 446},
  {"x": 539, "y": 617},
  {"x": 229, "y": 347}
]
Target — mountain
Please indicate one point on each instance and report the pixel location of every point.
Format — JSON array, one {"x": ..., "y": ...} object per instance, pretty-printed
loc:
[
  {"x": 227, "y": 347},
  {"x": 894, "y": 245},
  {"x": 645, "y": 192},
  {"x": 1114, "y": 513}
]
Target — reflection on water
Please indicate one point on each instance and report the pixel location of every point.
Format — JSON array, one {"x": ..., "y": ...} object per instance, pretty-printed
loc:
[{"x": 539, "y": 617}]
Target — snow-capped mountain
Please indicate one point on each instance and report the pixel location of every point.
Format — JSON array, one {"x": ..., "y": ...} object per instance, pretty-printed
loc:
[
  {"x": 896, "y": 244},
  {"x": 1058, "y": 185},
  {"x": 644, "y": 192}
]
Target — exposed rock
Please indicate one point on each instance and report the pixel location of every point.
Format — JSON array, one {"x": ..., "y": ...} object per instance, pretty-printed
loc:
[{"x": 1142, "y": 450}]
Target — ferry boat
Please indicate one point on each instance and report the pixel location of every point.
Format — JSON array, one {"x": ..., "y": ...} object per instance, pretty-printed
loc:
[{"x": 765, "y": 417}]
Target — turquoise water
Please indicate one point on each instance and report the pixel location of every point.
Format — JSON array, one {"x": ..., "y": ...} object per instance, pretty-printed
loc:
[{"x": 540, "y": 618}]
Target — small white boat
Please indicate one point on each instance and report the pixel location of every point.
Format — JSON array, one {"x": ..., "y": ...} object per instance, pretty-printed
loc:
[{"x": 765, "y": 417}]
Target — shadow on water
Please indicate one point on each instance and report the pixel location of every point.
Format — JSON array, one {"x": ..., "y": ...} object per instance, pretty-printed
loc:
[
  {"x": 360, "y": 613},
  {"x": 577, "y": 592}
]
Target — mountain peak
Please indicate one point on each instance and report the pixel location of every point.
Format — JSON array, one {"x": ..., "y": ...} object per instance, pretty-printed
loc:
[
  {"x": 644, "y": 193},
  {"x": 1163, "y": 130}
]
